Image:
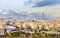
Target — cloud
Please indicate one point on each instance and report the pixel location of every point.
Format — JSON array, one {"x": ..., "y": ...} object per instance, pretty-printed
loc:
[
  {"x": 47, "y": 3},
  {"x": 11, "y": 4},
  {"x": 40, "y": 3},
  {"x": 18, "y": 4},
  {"x": 31, "y": 2}
]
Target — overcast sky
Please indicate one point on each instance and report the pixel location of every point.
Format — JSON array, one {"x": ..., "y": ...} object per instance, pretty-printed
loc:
[{"x": 47, "y": 6}]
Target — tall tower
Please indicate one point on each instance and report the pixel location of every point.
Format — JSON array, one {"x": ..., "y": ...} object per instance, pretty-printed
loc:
[{"x": 44, "y": 16}]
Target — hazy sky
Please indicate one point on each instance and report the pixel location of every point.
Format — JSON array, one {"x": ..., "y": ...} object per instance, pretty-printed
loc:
[{"x": 47, "y": 6}]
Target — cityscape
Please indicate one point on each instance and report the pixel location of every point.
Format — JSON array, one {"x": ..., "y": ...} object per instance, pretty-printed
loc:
[
  {"x": 31, "y": 25},
  {"x": 29, "y": 18}
]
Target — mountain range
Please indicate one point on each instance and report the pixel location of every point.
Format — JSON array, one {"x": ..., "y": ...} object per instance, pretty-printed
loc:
[{"x": 36, "y": 15}]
